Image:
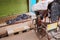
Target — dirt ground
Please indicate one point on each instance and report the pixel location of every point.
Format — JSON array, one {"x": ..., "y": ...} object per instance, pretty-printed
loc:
[
  {"x": 4, "y": 19},
  {"x": 31, "y": 35},
  {"x": 24, "y": 36}
]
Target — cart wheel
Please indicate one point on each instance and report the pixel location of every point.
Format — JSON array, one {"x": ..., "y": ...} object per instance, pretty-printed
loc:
[
  {"x": 40, "y": 35},
  {"x": 37, "y": 33}
]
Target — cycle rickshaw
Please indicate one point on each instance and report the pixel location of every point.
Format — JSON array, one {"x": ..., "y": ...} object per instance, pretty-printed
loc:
[{"x": 43, "y": 29}]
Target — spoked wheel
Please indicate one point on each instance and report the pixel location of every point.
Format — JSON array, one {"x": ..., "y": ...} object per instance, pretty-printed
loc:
[
  {"x": 40, "y": 29},
  {"x": 41, "y": 32},
  {"x": 37, "y": 33}
]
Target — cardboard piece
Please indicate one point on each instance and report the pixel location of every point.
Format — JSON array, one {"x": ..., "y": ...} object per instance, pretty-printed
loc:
[{"x": 51, "y": 26}]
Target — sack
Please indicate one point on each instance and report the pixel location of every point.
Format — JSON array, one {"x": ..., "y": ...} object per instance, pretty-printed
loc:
[
  {"x": 40, "y": 6},
  {"x": 54, "y": 12}
]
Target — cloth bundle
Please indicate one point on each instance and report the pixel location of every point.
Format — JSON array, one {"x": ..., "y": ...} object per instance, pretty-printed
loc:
[{"x": 18, "y": 18}]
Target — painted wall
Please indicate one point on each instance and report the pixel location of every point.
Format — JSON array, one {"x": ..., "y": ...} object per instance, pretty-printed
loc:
[
  {"x": 10, "y": 7},
  {"x": 31, "y": 3}
]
